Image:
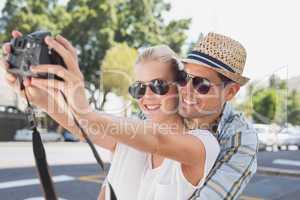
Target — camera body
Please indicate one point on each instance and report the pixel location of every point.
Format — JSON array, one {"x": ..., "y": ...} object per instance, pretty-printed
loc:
[{"x": 31, "y": 50}]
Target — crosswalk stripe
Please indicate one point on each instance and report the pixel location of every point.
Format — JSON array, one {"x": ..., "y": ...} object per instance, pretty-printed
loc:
[
  {"x": 28, "y": 182},
  {"x": 286, "y": 162}
]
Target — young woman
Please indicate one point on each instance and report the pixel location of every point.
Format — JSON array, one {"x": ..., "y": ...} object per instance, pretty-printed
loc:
[{"x": 155, "y": 159}]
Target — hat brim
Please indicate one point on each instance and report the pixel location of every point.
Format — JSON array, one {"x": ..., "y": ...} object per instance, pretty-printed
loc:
[{"x": 242, "y": 80}]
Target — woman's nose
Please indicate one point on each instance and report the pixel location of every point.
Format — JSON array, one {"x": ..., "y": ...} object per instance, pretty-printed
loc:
[{"x": 149, "y": 92}]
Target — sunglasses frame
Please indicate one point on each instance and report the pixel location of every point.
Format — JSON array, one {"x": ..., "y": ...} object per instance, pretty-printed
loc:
[
  {"x": 150, "y": 84},
  {"x": 191, "y": 77}
]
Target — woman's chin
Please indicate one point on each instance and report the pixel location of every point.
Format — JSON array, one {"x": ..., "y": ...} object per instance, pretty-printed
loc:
[{"x": 154, "y": 115}]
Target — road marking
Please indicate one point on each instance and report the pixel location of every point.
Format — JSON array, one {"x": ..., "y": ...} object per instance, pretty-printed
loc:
[
  {"x": 287, "y": 162},
  {"x": 93, "y": 178},
  {"x": 42, "y": 198},
  {"x": 249, "y": 198},
  {"x": 27, "y": 182}
]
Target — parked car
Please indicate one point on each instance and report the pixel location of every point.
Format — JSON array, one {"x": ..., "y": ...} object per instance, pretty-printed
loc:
[
  {"x": 26, "y": 135},
  {"x": 289, "y": 136},
  {"x": 69, "y": 137},
  {"x": 267, "y": 136},
  {"x": 10, "y": 109}
]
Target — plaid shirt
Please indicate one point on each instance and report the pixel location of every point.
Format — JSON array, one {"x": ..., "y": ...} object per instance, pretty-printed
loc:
[{"x": 237, "y": 161}]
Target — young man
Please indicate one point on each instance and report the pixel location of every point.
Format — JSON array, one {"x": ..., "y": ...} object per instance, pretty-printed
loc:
[{"x": 211, "y": 78}]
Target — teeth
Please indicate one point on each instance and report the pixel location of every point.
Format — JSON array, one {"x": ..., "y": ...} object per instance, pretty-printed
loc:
[
  {"x": 152, "y": 107},
  {"x": 189, "y": 102}
]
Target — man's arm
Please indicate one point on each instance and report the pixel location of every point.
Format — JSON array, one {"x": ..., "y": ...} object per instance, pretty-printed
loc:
[{"x": 235, "y": 166}]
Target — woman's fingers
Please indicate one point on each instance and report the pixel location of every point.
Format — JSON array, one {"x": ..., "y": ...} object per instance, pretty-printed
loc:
[
  {"x": 60, "y": 49},
  {"x": 66, "y": 44},
  {"x": 58, "y": 70},
  {"x": 64, "y": 49},
  {"x": 13, "y": 82},
  {"x": 4, "y": 64},
  {"x": 48, "y": 83},
  {"x": 16, "y": 34},
  {"x": 27, "y": 82},
  {"x": 6, "y": 48},
  {"x": 10, "y": 78}
]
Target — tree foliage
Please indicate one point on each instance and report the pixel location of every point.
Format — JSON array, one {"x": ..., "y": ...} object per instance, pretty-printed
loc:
[
  {"x": 264, "y": 105},
  {"x": 294, "y": 108},
  {"x": 272, "y": 104},
  {"x": 117, "y": 69},
  {"x": 94, "y": 25}
]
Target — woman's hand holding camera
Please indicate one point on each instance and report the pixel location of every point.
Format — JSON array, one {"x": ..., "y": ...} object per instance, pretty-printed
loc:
[
  {"x": 44, "y": 93},
  {"x": 72, "y": 85},
  {"x": 37, "y": 96}
]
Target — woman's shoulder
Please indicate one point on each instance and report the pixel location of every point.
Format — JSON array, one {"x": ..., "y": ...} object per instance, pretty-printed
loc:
[
  {"x": 208, "y": 139},
  {"x": 201, "y": 133}
]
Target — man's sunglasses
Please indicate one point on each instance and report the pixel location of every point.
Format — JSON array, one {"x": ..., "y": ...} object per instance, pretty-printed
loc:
[
  {"x": 138, "y": 89},
  {"x": 200, "y": 84}
]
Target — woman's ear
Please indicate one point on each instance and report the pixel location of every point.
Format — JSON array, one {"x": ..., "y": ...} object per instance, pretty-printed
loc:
[{"x": 231, "y": 90}]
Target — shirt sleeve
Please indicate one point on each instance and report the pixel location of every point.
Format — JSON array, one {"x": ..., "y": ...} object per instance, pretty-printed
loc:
[{"x": 236, "y": 164}]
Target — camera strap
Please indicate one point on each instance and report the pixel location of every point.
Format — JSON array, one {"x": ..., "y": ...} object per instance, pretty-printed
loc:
[{"x": 40, "y": 154}]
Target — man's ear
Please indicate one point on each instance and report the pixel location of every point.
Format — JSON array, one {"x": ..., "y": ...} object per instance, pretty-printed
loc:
[{"x": 231, "y": 90}]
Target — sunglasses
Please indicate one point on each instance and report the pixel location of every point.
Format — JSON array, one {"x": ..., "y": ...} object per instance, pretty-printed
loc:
[
  {"x": 200, "y": 84},
  {"x": 138, "y": 89}
]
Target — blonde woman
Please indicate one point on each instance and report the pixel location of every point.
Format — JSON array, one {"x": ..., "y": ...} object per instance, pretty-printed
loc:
[
  {"x": 136, "y": 174},
  {"x": 156, "y": 159}
]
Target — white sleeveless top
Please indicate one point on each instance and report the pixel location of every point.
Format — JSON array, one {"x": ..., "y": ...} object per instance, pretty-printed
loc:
[{"x": 132, "y": 177}]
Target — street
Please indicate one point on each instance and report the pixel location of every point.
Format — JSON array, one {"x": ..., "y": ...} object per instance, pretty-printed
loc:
[{"x": 78, "y": 177}]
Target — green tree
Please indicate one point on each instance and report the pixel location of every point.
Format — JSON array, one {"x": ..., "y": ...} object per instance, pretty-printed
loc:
[
  {"x": 117, "y": 70},
  {"x": 91, "y": 30},
  {"x": 78, "y": 21},
  {"x": 93, "y": 25},
  {"x": 294, "y": 108},
  {"x": 141, "y": 23},
  {"x": 246, "y": 106},
  {"x": 264, "y": 105}
]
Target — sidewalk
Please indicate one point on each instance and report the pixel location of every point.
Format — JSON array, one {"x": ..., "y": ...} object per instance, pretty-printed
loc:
[{"x": 19, "y": 154}]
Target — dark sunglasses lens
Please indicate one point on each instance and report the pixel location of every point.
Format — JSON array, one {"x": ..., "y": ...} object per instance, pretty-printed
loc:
[
  {"x": 137, "y": 90},
  {"x": 182, "y": 78},
  {"x": 201, "y": 85},
  {"x": 159, "y": 87}
]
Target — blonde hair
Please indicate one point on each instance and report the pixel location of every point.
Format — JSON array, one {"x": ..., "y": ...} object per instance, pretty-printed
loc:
[{"x": 161, "y": 53}]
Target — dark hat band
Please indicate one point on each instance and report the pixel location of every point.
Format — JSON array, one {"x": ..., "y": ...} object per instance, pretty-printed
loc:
[{"x": 207, "y": 59}]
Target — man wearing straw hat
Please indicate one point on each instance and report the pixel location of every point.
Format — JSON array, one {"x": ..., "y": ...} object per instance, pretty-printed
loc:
[{"x": 212, "y": 76}]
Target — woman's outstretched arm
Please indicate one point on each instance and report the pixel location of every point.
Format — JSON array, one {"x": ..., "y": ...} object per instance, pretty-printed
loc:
[
  {"x": 165, "y": 140},
  {"x": 102, "y": 193}
]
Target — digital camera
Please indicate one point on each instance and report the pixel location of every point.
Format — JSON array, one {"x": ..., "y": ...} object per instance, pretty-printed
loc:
[{"x": 31, "y": 50}]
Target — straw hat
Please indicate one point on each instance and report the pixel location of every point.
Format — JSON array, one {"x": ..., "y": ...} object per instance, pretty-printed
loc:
[{"x": 222, "y": 54}]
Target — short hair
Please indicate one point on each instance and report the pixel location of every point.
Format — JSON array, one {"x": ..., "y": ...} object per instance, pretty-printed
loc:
[{"x": 225, "y": 79}]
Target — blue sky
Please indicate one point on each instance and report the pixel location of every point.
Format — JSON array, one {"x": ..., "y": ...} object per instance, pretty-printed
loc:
[{"x": 269, "y": 30}]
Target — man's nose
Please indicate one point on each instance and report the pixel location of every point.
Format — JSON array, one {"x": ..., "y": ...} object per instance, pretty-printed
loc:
[{"x": 188, "y": 88}]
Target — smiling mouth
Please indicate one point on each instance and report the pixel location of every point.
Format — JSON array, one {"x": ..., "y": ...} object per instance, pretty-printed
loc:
[
  {"x": 189, "y": 102},
  {"x": 152, "y": 107}
]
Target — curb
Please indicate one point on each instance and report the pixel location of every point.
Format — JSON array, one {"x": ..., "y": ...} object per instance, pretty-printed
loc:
[{"x": 278, "y": 172}]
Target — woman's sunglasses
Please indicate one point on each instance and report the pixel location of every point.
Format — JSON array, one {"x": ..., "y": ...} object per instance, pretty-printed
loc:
[
  {"x": 200, "y": 84},
  {"x": 138, "y": 89}
]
